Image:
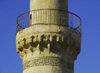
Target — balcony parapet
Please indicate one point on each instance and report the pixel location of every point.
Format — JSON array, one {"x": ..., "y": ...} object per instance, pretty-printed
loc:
[{"x": 49, "y": 17}]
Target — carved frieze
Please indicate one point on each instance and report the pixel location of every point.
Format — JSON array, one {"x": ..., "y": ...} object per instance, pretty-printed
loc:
[{"x": 47, "y": 61}]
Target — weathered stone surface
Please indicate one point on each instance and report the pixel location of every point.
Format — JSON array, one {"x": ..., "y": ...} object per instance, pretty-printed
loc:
[
  {"x": 48, "y": 48},
  {"x": 40, "y": 48},
  {"x": 49, "y": 4},
  {"x": 47, "y": 61}
]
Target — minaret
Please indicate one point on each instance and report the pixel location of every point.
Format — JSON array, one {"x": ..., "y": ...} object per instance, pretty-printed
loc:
[{"x": 48, "y": 37}]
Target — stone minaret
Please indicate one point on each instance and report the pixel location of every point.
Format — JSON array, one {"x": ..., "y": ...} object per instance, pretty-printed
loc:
[{"x": 48, "y": 37}]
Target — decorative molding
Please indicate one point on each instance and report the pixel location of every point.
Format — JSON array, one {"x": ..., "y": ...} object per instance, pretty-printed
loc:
[
  {"x": 53, "y": 42},
  {"x": 47, "y": 61}
]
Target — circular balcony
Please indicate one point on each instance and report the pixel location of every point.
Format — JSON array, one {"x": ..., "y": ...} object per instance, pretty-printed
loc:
[{"x": 49, "y": 17}]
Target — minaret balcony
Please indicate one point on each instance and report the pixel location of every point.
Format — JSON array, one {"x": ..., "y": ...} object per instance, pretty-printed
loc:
[{"x": 49, "y": 17}]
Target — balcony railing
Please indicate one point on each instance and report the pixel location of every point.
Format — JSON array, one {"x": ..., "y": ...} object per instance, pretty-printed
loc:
[{"x": 49, "y": 17}]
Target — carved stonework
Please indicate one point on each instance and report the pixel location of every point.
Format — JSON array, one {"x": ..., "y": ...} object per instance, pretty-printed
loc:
[
  {"x": 54, "y": 42},
  {"x": 47, "y": 61},
  {"x": 52, "y": 49}
]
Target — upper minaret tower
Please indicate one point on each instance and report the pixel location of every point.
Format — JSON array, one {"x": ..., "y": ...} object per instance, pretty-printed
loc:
[
  {"x": 49, "y": 4},
  {"x": 48, "y": 37}
]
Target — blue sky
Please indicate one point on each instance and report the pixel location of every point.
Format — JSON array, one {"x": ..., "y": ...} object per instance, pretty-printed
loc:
[{"x": 89, "y": 59}]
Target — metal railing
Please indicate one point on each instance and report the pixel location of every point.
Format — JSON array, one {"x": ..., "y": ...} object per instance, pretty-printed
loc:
[{"x": 49, "y": 16}]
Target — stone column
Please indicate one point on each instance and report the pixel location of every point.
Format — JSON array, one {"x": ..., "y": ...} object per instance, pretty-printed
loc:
[
  {"x": 49, "y": 12},
  {"x": 49, "y": 4}
]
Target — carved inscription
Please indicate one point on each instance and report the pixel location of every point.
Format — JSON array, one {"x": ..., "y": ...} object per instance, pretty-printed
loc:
[{"x": 49, "y": 61}]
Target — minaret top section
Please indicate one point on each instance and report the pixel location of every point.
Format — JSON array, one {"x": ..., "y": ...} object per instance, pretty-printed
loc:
[
  {"x": 48, "y": 37},
  {"x": 49, "y": 4}
]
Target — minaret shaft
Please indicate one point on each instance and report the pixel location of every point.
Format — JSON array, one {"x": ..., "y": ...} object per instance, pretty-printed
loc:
[
  {"x": 49, "y": 4},
  {"x": 49, "y": 11},
  {"x": 51, "y": 42}
]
